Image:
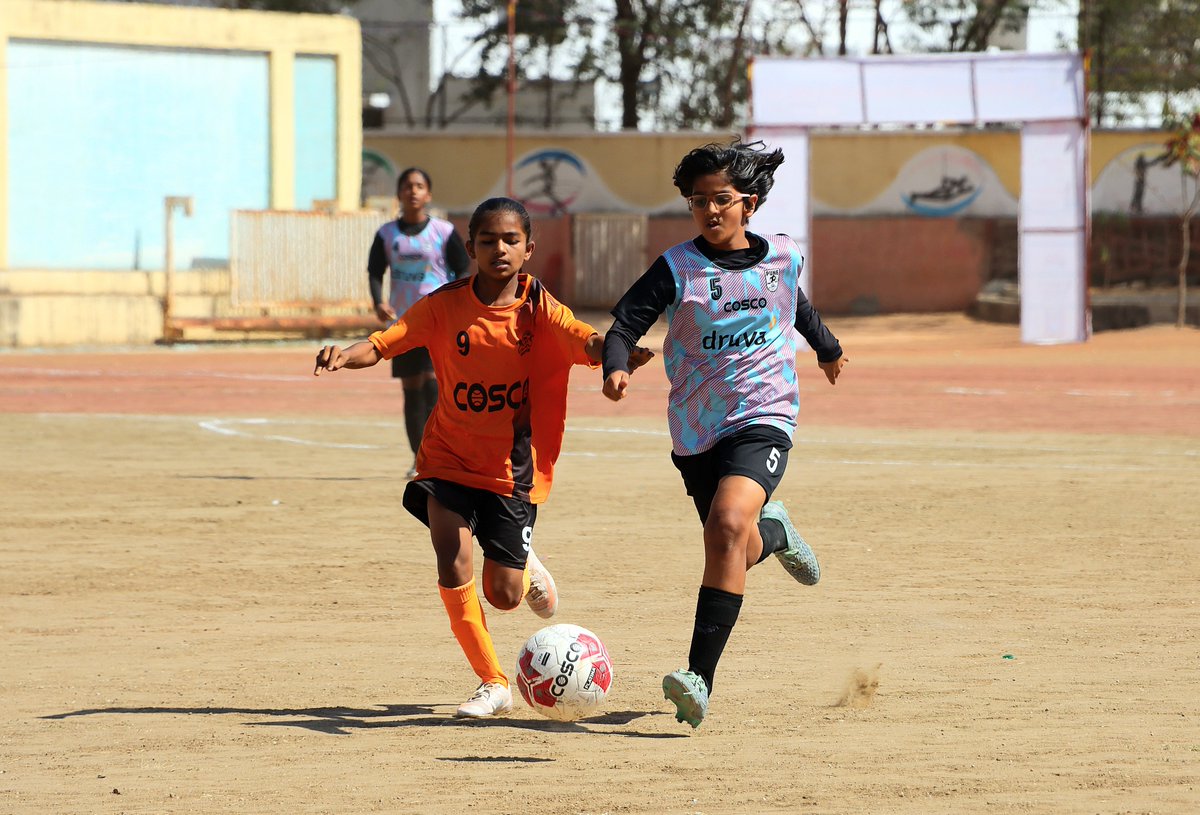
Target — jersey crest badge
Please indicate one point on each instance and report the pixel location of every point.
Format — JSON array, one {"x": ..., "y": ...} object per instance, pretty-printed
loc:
[{"x": 772, "y": 281}]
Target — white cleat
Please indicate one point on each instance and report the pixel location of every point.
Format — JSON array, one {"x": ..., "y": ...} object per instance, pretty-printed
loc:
[
  {"x": 489, "y": 699},
  {"x": 542, "y": 596}
]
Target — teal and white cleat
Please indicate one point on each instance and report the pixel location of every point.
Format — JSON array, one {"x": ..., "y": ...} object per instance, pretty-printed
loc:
[
  {"x": 689, "y": 694},
  {"x": 799, "y": 558}
]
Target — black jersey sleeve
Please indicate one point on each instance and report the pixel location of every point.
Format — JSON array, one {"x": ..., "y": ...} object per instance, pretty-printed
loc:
[
  {"x": 457, "y": 260},
  {"x": 377, "y": 264},
  {"x": 636, "y": 313},
  {"x": 814, "y": 331}
]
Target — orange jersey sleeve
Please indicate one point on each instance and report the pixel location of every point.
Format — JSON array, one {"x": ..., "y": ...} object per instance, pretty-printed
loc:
[
  {"x": 502, "y": 376},
  {"x": 407, "y": 332}
]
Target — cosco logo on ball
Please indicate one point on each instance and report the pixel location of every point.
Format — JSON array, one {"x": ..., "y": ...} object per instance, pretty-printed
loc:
[
  {"x": 566, "y": 669},
  {"x": 478, "y": 398},
  {"x": 744, "y": 305}
]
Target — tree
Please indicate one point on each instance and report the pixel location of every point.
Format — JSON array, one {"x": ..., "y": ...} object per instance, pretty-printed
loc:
[
  {"x": 683, "y": 60},
  {"x": 699, "y": 64},
  {"x": 550, "y": 34},
  {"x": 1183, "y": 148},
  {"x": 960, "y": 26},
  {"x": 1141, "y": 50}
]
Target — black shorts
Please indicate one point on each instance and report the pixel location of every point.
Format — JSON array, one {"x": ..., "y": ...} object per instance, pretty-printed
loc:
[
  {"x": 411, "y": 363},
  {"x": 757, "y": 452},
  {"x": 503, "y": 525}
]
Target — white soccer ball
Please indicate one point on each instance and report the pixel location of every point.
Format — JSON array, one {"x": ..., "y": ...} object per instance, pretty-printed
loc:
[{"x": 564, "y": 672}]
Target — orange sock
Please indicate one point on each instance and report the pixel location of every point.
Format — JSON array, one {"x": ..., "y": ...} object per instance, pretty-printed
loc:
[{"x": 470, "y": 629}]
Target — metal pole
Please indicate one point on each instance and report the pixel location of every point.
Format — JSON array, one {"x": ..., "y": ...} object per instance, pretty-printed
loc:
[
  {"x": 512, "y": 96},
  {"x": 170, "y": 203}
]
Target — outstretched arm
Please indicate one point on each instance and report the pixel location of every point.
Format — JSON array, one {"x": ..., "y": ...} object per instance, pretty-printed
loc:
[
  {"x": 638, "y": 355},
  {"x": 636, "y": 312},
  {"x": 360, "y": 355}
]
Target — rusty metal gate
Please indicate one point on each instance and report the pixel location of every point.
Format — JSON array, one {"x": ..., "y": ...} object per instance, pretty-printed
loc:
[
  {"x": 609, "y": 255},
  {"x": 310, "y": 258}
]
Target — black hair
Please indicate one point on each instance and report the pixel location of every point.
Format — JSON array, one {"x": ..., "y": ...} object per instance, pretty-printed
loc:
[
  {"x": 500, "y": 205},
  {"x": 749, "y": 166},
  {"x": 405, "y": 173}
]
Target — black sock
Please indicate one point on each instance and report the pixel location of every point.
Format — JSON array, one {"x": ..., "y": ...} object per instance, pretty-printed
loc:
[
  {"x": 414, "y": 416},
  {"x": 773, "y": 537},
  {"x": 716, "y": 612}
]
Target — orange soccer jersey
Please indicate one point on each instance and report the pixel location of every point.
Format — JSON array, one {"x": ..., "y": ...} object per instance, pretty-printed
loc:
[{"x": 502, "y": 384}]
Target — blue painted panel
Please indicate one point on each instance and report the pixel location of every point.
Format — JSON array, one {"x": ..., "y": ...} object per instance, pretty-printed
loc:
[
  {"x": 316, "y": 129},
  {"x": 98, "y": 135}
]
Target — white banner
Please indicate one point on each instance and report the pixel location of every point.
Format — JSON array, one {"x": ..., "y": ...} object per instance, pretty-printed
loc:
[
  {"x": 947, "y": 88},
  {"x": 789, "y": 206},
  {"x": 1053, "y": 233},
  {"x": 1044, "y": 92}
]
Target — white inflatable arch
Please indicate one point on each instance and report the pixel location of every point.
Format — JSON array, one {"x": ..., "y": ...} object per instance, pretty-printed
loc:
[{"x": 1043, "y": 92}]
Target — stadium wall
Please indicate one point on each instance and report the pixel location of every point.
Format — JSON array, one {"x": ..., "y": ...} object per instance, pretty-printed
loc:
[
  {"x": 905, "y": 221},
  {"x": 106, "y": 108}
]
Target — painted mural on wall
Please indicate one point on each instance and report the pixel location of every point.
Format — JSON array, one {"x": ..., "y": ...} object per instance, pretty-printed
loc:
[
  {"x": 378, "y": 175},
  {"x": 943, "y": 180},
  {"x": 555, "y": 181},
  {"x": 1136, "y": 183},
  {"x": 959, "y": 178},
  {"x": 939, "y": 182}
]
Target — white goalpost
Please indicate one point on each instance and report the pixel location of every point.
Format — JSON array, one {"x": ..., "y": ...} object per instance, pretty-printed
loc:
[{"x": 1043, "y": 92}]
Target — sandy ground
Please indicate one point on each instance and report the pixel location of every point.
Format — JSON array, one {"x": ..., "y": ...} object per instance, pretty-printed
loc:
[{"x": 212, "y": 602}]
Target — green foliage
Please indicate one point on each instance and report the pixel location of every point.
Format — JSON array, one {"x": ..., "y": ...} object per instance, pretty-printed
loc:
[
  {"x": 1183, "y": 148},
  {"x": 683, "y": 60},
  {"x": 1139, "y": 47},
  {"x": 548, "y": 33},
  {"x": 968, "y": 26}
]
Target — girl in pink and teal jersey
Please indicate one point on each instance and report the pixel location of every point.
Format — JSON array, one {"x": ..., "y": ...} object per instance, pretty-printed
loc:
[{"x": 735, "y": 312}]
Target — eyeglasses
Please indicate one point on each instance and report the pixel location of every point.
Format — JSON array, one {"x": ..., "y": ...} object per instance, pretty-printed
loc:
[{"x": 723, "y": 200}]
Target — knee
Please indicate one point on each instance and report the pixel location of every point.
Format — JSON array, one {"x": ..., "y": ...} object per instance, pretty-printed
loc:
[
  {"x": 503, "y": 597},
  {"x": 726, "y": 533}
]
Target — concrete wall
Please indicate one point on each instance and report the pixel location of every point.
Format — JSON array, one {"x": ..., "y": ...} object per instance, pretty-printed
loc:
[
  {"x": 49, "y": 308},
  {"x": 119, "y": 104},
  {"x": 853, "y": 174},
  {"x": 889, "y": 265}
]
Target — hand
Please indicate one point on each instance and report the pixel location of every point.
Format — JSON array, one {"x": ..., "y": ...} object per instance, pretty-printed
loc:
[
  {"x": 330, "y": 358},
  {"x": 638, "y": 357},
  {"x": 833, "y": 369},
  {"x": 616, "y": 385},
  {"x": 385, "y": 313}
]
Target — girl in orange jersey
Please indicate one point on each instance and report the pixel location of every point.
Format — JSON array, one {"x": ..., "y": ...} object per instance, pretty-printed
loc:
[{"x": 502, "y": 349}]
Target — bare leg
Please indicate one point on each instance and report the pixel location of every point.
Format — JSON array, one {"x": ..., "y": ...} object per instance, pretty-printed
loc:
[{"x": 732, "y": 543}]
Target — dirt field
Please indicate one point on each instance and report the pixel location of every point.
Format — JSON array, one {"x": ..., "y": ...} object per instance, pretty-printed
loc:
[{"x": 212, "y": 601}]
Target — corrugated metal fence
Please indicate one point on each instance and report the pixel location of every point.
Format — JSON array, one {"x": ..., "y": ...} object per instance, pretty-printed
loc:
[
  {"x": 609, "y": 254},
  {"x": 319, "y": 259},
  {"x": 300, "y": 258}
]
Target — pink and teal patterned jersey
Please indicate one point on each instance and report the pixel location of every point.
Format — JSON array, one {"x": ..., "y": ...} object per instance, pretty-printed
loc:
[
  {"x": 730, "y": 349},
  {"x": 417, "y": 262}
]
